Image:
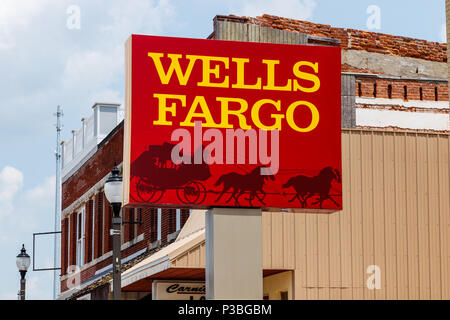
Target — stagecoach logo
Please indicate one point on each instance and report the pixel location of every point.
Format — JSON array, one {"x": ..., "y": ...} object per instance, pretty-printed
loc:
[{"x": 218, "y": 123}]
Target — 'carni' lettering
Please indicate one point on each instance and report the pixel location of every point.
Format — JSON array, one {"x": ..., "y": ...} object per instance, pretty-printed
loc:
[{"x": 176, "y": 288}]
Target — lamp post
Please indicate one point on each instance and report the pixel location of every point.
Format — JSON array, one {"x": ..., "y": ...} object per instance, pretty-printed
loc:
[
  {"x": 113, "y": 192},
  {"x": 22, "y": 262}
]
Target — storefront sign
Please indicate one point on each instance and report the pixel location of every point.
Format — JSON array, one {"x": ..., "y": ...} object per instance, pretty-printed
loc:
[
  {"x": 223, "y": 123},
  {"x": 178, "y": 290}
]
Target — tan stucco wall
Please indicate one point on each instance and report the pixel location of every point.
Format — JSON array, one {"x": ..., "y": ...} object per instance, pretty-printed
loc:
[
  {"x": 396, "y": 216},
  {"x": 447, "y": 4},
  {"x": 396, "y": 198}
]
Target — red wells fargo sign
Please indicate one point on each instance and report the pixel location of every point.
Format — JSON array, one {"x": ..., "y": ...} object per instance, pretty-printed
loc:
[{"x": 213, "y": 123}]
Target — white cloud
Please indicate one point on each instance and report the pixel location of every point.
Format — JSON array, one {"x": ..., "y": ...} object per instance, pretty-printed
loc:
[
  {"x": 30, "y": 210},
  {"x": 16, "y": 16},
  {"x": 11, "y": 181},
  {"x": 107, "y": 95},
  {"x": 444, "y": 33},
  {"x": 42, "y": 193},
  {"x": 91, "y": 71},
  {"x": 296, "y": 9},
  {"x": 48, "y": 64},
  {"x": 45, "y": 64},
  {"x": 138, "y": 15},
  {"x": 35, "y": 207},
  {"x": 21, "y": 209}
]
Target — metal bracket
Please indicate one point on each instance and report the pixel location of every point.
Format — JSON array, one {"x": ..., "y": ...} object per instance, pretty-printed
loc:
[
  {"x": 113, "y": 232},
  {"x": 34, "y": 250}
]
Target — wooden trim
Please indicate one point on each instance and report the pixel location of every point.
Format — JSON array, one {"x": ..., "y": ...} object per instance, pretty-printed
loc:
[{"x": 127, "y": 121}]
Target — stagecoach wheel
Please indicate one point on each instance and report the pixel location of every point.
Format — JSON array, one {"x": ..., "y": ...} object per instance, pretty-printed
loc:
[
  {"x": 148, "y": 193},
  {"x": 191, "y": 193},
  {"x": 135, "y": 197},
  {"x": 202, "y": 192},
  {"x": 180, "y": 195}
]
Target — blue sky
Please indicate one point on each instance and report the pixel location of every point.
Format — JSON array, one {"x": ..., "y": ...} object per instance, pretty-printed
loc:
[{"x": 43, "y": 63}]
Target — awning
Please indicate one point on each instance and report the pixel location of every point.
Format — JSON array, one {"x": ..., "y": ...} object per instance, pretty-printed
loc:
[{"x": 182, "y": 259}]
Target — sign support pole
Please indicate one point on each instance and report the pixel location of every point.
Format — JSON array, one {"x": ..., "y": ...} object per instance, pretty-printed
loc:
[
  {"x": 234, "y": 254},
  {"x": 117, "y": 266}
]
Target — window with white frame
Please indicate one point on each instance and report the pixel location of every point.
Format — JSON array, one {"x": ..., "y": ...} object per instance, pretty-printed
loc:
[
  {"x": 104, "y": 227},
  {"x": 81, "y": 216},
  {"x": 159, "y": 224},
  {"x": 93, "y": 228},
  {"x": 69, "y": 235},
  {"x": 178, "y": 220}
]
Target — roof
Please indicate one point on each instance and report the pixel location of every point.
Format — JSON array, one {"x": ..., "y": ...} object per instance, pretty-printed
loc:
[
  {"x": 192, "y": 234},
  {"x": 162, "y": 260},
  {"x": 352, "y": 38}
]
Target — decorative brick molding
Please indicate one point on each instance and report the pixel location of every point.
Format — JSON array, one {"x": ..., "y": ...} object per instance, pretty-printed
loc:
[{"x": 373, "y": 87}]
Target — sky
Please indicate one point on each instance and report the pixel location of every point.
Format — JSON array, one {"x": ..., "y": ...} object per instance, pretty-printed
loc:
[{"x": 71, "y": 53}]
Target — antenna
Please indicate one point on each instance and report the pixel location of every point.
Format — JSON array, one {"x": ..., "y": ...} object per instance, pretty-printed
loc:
[{"x": 57, "y": 242}]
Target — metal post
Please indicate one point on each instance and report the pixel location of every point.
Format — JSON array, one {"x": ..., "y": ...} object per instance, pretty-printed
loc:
[
  {"x": 22, "y": 285},
  {"x": 116, "y": 222},
  {"x": 234, "y": 254},
  {"x": 57, "y": 243}
]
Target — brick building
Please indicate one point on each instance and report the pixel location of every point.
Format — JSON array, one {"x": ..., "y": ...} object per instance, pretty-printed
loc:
[
  {"x": 395, "y": 120},
  {"x": 388, "y": 81},
  {"x": 86, "y": 214}
]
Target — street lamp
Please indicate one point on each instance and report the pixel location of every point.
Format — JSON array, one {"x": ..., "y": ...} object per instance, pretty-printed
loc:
[
  {"x": 113, "y": 192},
  {"x": 22, "y": 262}
]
